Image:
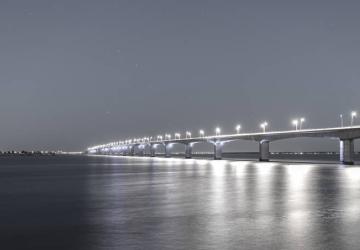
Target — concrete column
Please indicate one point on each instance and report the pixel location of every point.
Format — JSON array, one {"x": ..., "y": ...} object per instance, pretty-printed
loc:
[
  {"x": 168, "y": 150},
  {"x": 132, "y": 150},
  {"x": 347, "y": 151},
  {"x": 188, "y": 151},
  {"x": 126, "y": 151},
  {"x": 152, "y": 150},
  {"x": 264, "y": 151},
  {"x": 141, "y": 150},
  {"x": 218, "y": 150}
]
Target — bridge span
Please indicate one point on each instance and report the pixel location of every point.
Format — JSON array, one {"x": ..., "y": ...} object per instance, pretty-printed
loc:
[{"x": 345, "y": 136}]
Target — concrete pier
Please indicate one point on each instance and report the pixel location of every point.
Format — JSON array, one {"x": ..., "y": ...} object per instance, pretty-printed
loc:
[
  {"x": 218, "y": 150},
  {"x": 152, "y": 150},
  {"x": 168, "y": 147},
  {"x": 141, "y": 150},
  {"x": 264, "y": 152},
  {"x": 347, "y": 151},
  {"x": 131, "y": 150},
  {"x": 188, "y": 151}
]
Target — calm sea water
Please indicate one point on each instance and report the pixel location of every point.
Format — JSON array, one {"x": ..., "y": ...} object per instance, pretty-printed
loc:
[{"x": 79, "y": 202}]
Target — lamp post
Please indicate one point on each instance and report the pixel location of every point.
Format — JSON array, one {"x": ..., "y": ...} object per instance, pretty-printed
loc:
[
  {"x": 202, "y": 133},
  {"x": 353, "y": 115},
  {"x": 238, "y": 127},
  {"x": 302, "y": 120},
  {"x": 188, "y": 134},
  {"x": 295, "y": 123},
  {"x": 263, "y": 126},
  {"x": 341, "y": 120},
  {"x": 217, "y": 131}
]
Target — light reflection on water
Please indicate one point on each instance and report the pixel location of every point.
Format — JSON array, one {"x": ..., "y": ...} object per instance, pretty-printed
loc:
[
  {"x": 190, "y": 204},
  {"x": 144, "y": 203}
]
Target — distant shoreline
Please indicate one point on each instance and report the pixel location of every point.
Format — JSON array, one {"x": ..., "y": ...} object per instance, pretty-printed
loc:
[{"x": 29, "y": 153}]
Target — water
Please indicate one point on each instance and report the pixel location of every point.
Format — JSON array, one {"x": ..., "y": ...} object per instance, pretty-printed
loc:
[{"x": 78, "y": 202}]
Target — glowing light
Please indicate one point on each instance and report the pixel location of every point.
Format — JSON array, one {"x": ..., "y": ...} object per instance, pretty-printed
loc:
[
  {"x": 264, "y": 125},
  {"x": 177, "y": 136},
  {"x": 353, "y": 115},
  {"x": 202, "y": 133},
  {"x": 295, "y": 123},
  {"x": 217, "y": 131},
  {"x": 302, "y": 120},
  {"x": 238, "y": 127},
  {"x": 188, "y": 134}
]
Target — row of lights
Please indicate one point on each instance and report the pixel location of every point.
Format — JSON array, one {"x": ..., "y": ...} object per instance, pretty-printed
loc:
[
  {"x": 297, "y": 123},
  {"x": 353, "y": 115}
]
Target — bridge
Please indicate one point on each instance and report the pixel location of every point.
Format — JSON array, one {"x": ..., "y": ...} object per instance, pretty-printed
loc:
[{"x": 345, "y": 136}]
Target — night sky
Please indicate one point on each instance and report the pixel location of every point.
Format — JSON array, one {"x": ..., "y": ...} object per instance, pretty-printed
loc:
[{"x": 77, "y": 73}]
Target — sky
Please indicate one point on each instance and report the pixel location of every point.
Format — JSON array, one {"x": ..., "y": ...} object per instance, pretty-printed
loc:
[{"x": 74, "y": 73}]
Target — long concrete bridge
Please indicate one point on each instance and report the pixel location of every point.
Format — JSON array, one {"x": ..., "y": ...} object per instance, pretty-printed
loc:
[{"x": 345, "y": 136}]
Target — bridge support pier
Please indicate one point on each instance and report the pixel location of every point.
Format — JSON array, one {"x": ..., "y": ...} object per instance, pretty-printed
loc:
[
  {"x": 152, "y": 150},
  {"x": 264, "y": 152},
  {"x": 168, "y": 150},
  {"x": 141, "y": 150},
  {"x": 218, "y": 150},
  {"x": 188, "y": 151},
  {"x": 132, "y": 151},
  {"x": 347, "y": 151}
]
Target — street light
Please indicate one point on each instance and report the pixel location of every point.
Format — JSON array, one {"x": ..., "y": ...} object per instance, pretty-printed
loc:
[
  {"x": 302, "y": 120},
  {"x": 295, "y": 123},
  {"x": 353, "y": 115},
  {"x": 202, "y": 133},
  {"x": 238, "y": 127},
  {"x": 263, "y": 126},
  {"x": 177, "y": 136},
  {"x": 341, "y": 120},
  {"x": 188, "y": 134},
  {"x": 217, "y": 131}
]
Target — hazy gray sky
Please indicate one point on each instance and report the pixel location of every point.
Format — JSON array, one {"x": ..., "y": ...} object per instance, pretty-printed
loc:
[{"x": 76, "y": 73}]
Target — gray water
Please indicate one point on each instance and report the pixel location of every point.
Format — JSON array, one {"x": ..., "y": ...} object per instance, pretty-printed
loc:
[{"x": 79, "y": 202}]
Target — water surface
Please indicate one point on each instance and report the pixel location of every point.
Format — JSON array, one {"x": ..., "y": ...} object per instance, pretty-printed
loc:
[{"x": 79, "y": 202}]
